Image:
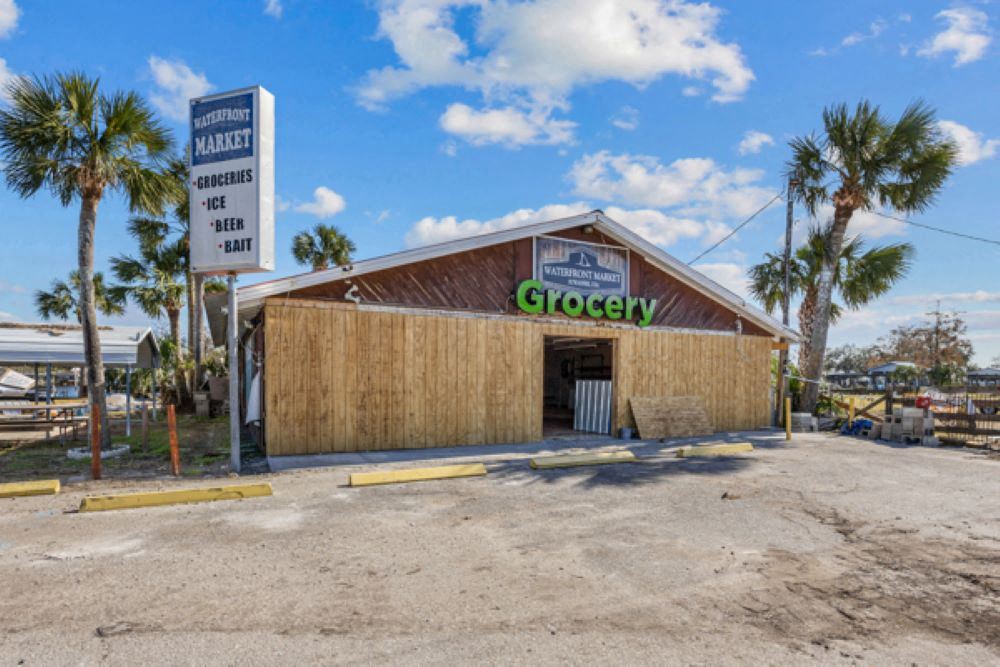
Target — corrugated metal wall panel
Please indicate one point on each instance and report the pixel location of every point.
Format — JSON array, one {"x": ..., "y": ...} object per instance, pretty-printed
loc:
[{"x": 592, "y": 412}]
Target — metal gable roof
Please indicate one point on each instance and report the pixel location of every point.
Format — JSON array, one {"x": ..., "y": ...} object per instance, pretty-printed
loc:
[
  {"x": 41, "y": 343},
  {"x": 251, "y": 297}
]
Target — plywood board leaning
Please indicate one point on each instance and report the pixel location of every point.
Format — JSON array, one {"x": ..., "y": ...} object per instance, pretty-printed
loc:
[{"x": 670, "y": 416}]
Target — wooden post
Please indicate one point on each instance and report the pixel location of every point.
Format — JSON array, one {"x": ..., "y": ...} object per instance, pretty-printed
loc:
[
  {"x": 850, "y": 413},
  {"x": 95, "y": 441},
  {"x": 788, "y": 418},
  {"x": 145, "y": 426},
  {"x": 175, "y": 455}
]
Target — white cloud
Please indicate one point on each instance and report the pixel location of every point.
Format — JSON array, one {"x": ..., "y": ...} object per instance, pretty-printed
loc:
[
  {"x": 449, "y": 148},
  {"x": 872, "y": 226},
  {"x": 627, "y": 118},
  {"x": 325, "y": 204},
  {"x": 972, "y": 147},
  {"x": 436, "y": 230},
  {"x": 178, "y": 84},
  {"x": 728, "y": 274},
  {"x": 947, "y": 298},
  {"x": 753, "y": 141},
  {"x": 866, "y": 224},
  {"x": 281, "y": 204},
  {"x": 6, "y": 76},
  {"x": 273, "y": 8},
  {"x": 691, "y": 186},
  {"x": 531, "y": 55},
  {"x": 691, "y": 91},
  {"x": 12, "y": 288},
  {"x": 9, "y": 14},
  {"x": 7, "y": 317},
  {"x": 967, "y": 35},
  {"x": 653, "y": 225},
  {"x": 656, "y": 226},
  {"x": 507, "y": 126},
  {"x": 876, "y": 28}
]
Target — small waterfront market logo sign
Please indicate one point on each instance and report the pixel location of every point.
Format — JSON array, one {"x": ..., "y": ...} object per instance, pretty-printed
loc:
[
  {"x": 533, "y": 298},
  {"x": 586, "y": 268}
]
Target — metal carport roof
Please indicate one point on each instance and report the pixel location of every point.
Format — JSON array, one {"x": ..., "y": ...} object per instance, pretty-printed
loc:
[{"x": 62, "y": 345}]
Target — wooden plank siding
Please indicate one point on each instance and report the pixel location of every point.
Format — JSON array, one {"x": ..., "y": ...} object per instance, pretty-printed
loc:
[
  {"x": 484, "y": 279},
  {"x": 339, "y": 378}
]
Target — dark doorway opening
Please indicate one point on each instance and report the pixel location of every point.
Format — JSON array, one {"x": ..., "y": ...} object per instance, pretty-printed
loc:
[{"x": 569, "y": 363}]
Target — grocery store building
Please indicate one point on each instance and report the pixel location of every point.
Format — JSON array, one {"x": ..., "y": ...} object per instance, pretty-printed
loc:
[{"x": 506, "y": 337}]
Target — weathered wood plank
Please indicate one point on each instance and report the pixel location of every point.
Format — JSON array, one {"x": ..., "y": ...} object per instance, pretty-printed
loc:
[{"x": 413, "y": 380}]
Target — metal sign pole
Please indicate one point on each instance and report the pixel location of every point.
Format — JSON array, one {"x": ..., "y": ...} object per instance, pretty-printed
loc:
[{"x": 234, "y": 379}]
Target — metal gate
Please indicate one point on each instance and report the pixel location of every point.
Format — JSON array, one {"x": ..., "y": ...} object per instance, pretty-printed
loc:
[{"x": 592, "y": 411}]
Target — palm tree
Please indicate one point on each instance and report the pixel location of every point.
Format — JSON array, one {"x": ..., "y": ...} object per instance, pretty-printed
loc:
[
  {"x": 154, "y": 232},
  {"x": 60, "y": 132},
  {"x": 860, "y": 276},
  {"x": 155, "y": 281},
  {"x": 63, "y": 300},
  {"x": 863, "y": 161},
  {"x": 323, "y": 246}
]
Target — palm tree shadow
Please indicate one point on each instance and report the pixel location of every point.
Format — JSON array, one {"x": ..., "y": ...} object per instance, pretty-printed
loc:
[{"x": 645, "y": 471}]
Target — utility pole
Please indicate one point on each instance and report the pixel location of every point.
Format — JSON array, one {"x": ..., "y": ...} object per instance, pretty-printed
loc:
[{"x": 783, "y": 384}]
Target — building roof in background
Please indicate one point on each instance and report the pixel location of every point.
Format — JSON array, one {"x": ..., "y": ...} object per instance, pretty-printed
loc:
[
  {"x": 984, "y": 372},
  {"x": 62, "y": 344},
  {"x": 251, "y": 297},
  {"x": 890, "y": 367}
]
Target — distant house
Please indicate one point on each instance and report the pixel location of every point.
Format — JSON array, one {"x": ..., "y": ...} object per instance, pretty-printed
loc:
[
  {"x": 984, "y": 377},
  {"x": 877, "y": 377},
  {"x": 882, "y": 375},
  {"x": 848, "y": 379}
]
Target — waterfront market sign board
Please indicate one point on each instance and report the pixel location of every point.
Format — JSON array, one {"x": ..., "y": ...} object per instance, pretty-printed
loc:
[
  {"x": 579, "y": 278},
  {"x": 587, "y": 268},
  {"x": 232, "y": 182}
]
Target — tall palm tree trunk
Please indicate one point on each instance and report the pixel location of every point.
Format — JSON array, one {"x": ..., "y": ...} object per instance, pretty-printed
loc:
[
  {"x": 812, "y": 369},
  {"x": 88, "y": 314},
  {"x": 807, "y": 319},
  {"x": 199, "y": 330}
]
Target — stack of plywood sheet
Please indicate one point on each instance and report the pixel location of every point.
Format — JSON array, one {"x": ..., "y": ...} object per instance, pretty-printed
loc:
[{"x": 670, "y": 417}]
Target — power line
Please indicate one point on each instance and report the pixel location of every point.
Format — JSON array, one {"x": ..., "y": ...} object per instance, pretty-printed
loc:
[
  {"x": 937, "y": 229},
  {"x": 737, "y": 228}
]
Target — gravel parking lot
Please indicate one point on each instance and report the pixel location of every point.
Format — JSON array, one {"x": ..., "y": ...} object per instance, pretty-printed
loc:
[{"x": 829, "y": 549}]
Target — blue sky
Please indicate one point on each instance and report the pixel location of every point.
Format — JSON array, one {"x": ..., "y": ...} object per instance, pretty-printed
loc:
[{"x": 411, "y": 121}]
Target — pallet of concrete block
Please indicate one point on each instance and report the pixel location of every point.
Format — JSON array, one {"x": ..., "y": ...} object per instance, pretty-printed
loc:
[
  {"x": 670, "y": 416},
  {"x": 804, "y": 422}
]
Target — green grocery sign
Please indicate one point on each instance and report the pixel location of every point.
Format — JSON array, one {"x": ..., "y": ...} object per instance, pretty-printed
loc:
[{"x": 533, "y": 298}]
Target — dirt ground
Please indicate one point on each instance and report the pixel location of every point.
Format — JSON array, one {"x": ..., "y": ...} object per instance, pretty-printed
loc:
[{"x": 830, "y": 550}]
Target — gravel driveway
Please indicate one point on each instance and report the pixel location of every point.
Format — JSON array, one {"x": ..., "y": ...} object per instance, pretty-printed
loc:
[{"x": 830, "y": 549}]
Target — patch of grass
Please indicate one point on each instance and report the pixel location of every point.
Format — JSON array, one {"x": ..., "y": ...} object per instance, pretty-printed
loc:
[{"x": 203, "y": 444}]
